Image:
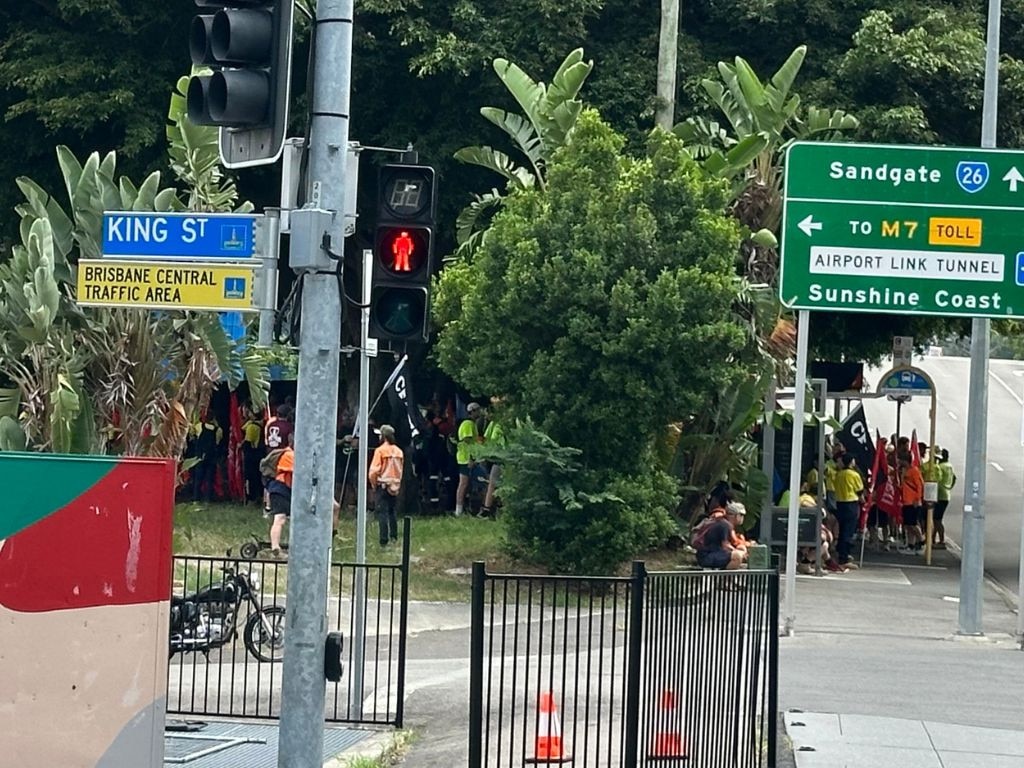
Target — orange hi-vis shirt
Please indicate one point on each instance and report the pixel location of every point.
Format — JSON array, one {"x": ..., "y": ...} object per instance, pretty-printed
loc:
[
  {"x": 383, "y": 452},
  {"x": 286, "y": 467},
  {"x": 912, "y": 490}
]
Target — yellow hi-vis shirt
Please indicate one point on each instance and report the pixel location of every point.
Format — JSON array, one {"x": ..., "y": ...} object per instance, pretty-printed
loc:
[{"x": 848, "y": 484}]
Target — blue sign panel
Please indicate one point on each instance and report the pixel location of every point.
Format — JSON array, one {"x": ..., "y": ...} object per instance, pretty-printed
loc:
[
  {"x": 179, "y": 235},
  {"x": 904, "y": 383},
  {"x": 1020, "y": 268},
  {"x": 972, "y": 176}
]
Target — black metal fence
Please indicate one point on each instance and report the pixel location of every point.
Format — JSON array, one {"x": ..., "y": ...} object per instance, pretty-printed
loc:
[
  {"x": 654, "y": 669},
  {"x": 239, "y": 673}
]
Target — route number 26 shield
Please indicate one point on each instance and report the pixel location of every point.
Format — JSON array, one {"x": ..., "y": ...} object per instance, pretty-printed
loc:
[{"x": 971, "y": 176}]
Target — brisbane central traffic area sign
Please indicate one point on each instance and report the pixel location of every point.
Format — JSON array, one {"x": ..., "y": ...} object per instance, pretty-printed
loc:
[{"x": 903, "y": 229}]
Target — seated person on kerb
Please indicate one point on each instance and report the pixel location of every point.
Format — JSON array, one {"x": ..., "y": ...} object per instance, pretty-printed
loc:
[{"x": 717, "y": 544}]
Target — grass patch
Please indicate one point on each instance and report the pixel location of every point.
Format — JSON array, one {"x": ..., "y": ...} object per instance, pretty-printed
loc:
[{"x": 442, "y": 549}]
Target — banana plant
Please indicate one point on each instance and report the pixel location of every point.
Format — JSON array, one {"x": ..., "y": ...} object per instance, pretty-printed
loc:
[
  {"x": 110, "y": 379},
  {"x": 549, "y": 114}
]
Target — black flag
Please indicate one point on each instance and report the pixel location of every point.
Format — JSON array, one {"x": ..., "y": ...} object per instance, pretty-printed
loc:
[
  {"x": 856, "y": 438},
  {"x": 409, "y": 422}
]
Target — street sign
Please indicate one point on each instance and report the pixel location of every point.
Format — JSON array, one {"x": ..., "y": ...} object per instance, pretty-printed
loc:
[
  {"x": 166, "y": 285},
  {"x": 199, "y": 236},
  {"x": 902, "y": 351},
  {"x": 903, "y": 229},
  {"x": 901, "y": 383}
]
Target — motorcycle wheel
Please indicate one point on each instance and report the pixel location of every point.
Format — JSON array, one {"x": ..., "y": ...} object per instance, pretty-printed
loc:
[
  {"x": 250, "y": 550},
  {"x": 258, "y": 643}
]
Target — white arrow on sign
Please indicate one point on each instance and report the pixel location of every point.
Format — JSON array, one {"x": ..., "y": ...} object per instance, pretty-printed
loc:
[
  {"x": 1014, "y": 177},
  {"x": 808, "y": 225}
]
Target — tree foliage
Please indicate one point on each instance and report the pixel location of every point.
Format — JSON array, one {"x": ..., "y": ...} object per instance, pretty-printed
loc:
[{"x": 600, "y": 307}]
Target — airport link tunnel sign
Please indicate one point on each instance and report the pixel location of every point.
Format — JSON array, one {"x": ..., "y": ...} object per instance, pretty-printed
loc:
[
  {"x": 166, "y": 285},
  {"x": 903, "y": 229},
  {"x": 202, "y": 236}
]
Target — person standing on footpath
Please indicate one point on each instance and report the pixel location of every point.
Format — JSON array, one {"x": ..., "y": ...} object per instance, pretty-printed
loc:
[
  {"x": 947, "y": 479},
  {"x": 849, "y": 488},
  {"x": 912, "y": 497},
  {"x": 386, "y": 470},
  {"x": 467, "y": 437},
  {"x": 279, "y": 494}
]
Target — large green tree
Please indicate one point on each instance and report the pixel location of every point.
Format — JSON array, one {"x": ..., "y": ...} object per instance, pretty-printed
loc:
[{"x": 601, "y": 307}]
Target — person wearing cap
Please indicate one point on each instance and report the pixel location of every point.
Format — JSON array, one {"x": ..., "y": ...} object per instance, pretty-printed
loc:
[
  {"x": 720, "y": 547},
  {"x": 385, "y": 476},
  {"x": 467, "y": 436}
]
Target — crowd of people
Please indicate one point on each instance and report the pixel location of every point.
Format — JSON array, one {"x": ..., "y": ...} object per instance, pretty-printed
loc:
[
  {"x": 888, "y": 504},
  {"x": 446, "y": 463}
]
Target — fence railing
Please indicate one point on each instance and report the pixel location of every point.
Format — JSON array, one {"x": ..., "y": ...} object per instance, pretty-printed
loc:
[
  {"x": 238, "y": 674},
  {"x": 652, "y": 669}
]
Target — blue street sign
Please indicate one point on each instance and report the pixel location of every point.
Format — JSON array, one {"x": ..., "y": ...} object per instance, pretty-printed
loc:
[
  {"x": 129, "y": 234},
  {"x": 1020, "y": 269}
]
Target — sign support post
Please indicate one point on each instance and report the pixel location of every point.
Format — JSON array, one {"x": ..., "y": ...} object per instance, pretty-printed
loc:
[
  {"x": 972, "y": 566},
  {"x": 317, "y": 243},
  {"x": 803, "y": 329}
]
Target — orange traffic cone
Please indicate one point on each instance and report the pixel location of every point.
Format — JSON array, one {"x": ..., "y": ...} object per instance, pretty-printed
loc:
[
  {"x": 668, "y": 741},
  {"x": 548, "y": 747}
]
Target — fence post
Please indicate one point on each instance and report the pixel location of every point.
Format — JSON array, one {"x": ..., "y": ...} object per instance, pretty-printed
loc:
[
  {"x": 773, "y": 667},
  {"x": 476, "y": 667},
  {"x": 403, "y": 621},
  {"x": 636, "y": 618}
]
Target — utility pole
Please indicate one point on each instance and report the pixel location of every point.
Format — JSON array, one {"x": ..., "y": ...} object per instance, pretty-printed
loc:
[
  {"x": 303, "y": 683},
  {"x": 972, "y": 566},
  {"x": 668, "y": 48}
]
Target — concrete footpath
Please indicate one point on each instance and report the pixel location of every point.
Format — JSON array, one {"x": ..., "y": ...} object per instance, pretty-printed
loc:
[{"x": 875, "y": 674}]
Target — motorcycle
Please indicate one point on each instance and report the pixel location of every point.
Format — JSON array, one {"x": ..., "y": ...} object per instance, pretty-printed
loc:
[{"x": 208, "y": 618}]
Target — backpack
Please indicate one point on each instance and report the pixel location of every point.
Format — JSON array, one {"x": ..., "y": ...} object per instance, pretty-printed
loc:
[
  {"x": 700, "y": 533},
  {"x": 391, "y": 476},
  {"x": 268, "y": 464}
]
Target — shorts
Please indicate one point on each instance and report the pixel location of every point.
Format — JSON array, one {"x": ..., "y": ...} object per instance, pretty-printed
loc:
[
  {"x": 280, "y": 505},
  {"x": 877, "y": 518},
  {"x": 716, "y": 558},
  {"x": 464, "y": 469},
  {"x": 940, "y": 510},
  {"x": 911, "y": 515}
]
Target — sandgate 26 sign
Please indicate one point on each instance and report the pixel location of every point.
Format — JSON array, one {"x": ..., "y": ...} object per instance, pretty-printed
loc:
[{"x": 903, "y": 229}]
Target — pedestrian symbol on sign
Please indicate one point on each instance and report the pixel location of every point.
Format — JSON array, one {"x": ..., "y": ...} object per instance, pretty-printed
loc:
[
  {"x": 234, "y": 287},
  {"x": 972, "y": 176}
]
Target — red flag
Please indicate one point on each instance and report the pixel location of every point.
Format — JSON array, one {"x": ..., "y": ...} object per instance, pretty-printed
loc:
[
  {"x": 236, "y": 482},
  {"x": 877, "y": 475},
  {"x": 915, "y": 453}
]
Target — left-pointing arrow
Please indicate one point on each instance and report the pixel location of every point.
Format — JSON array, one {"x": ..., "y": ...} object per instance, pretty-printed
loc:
[{"x": 808, "y": 225}]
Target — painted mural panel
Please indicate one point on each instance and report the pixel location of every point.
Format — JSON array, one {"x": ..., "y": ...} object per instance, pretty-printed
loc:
[{"x": 85, "y": 580}]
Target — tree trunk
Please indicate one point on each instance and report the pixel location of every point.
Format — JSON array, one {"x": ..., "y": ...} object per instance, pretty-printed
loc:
[{"x": 668, "y": 46}]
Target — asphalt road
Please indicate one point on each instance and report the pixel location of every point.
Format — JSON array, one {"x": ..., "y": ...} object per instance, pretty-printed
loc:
[{"x": 1005, "y": 459}]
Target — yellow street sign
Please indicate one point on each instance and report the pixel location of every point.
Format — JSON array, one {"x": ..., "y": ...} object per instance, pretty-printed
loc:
[
  {"x": 954, "y": 231},
  {"x": 166, "y": 285}
]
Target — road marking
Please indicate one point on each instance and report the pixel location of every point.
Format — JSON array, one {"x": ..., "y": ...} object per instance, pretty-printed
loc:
[
  {"x": 1018, "y": 373},
  {"x": 952, "y": 415},
  {"x": 996, "y": 466},
  {"x": 1007, "y": 387}
]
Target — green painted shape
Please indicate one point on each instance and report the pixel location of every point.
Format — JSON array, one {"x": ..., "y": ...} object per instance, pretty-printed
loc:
[
  {"x": 39, "y": 484},
  {"x": 874, "y": 242}
]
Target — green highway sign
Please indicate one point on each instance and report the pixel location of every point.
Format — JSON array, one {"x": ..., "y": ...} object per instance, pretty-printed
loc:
[{"x": 903, "y": 229}]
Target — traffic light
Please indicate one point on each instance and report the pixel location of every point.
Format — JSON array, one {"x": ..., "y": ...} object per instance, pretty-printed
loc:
[
  {"x": 248, "y": 45},
  {"x": 402, "y": 253}
]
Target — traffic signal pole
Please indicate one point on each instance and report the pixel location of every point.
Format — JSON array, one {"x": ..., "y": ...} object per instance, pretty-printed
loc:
[{"x": 303, "y": 685}]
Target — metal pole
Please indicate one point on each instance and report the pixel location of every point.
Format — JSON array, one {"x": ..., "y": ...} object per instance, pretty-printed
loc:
[
  {"x": 474, "y": 747},
  {"x": 972, "y": 567},
  {"x": 301, "y": 735},
  {"x": 668, "y": 50},
  {"x": 768, "y": 461},
  {"x": 355, "y": 703},
  {"x": 268, "y": 301},
  {"x": 631, "y": 745},
  {"x": 1020, "y": 573},
  {"x": 803, "y": 326}
]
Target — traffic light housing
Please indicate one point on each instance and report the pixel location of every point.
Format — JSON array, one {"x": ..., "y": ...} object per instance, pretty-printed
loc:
[
  {"x": 403, "y": 250},
  {"x": 248, "y": 45}
]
